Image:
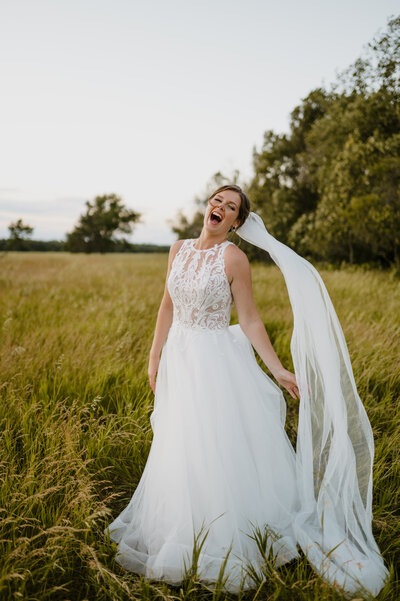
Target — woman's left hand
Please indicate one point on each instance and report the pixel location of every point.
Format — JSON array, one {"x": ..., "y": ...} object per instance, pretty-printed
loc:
[{"x": 288, "y": 380}]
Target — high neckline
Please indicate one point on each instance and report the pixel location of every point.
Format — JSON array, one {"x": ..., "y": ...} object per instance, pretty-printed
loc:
[{"x": 205, "y": 249}]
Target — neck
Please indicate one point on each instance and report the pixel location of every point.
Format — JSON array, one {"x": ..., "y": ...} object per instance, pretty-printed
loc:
[{"x": 206, "y": 240}]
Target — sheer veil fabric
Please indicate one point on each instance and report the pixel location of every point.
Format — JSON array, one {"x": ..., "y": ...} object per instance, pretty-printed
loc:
[{"x": 335, "y": 447}]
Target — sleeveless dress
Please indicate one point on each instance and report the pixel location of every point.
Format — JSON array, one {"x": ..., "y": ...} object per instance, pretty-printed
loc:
[{"x": 220, "y": 462}]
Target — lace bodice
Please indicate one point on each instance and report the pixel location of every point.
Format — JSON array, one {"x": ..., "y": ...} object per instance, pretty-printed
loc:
[{"x": 199, "y": 288}]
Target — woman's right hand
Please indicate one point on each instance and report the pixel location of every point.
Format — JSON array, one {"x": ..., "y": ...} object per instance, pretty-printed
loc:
[
  {"x": 288, "y": 380},
  {"x": 152, "y": 371}
]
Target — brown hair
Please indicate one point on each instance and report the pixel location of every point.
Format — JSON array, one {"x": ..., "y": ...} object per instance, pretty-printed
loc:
[{"x": 244, "y": 208}]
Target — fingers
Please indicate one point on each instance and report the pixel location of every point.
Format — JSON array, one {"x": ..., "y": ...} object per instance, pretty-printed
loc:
[
  {"x": 294, "y": 388},
  {"x": 294, "y": 392}
]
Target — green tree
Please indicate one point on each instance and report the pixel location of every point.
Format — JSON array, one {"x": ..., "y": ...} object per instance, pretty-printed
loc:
[
  {"x": 379, "y": 67},
  {"x": 375, "y": 216},
  {"x": 329, "y": 188},
  {"x": 358, "y": 133},
  {"x": 283, "y": 186},
  {"x": 19, "y": 234},
  {"x": 97, "y": 228}
]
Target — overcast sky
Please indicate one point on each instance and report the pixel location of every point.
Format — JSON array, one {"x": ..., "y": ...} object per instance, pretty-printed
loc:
[{"x": 149, "y": 98}]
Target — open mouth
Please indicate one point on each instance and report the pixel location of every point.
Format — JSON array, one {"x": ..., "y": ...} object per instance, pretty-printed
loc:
[{"x": 215, "y": 218}]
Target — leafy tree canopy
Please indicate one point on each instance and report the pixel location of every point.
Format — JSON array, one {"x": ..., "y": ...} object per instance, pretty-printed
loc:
[
  {"x": 19, "y": 234},
  {"x": 330, "y": 188},
  {"x": 96, "y": 230}
]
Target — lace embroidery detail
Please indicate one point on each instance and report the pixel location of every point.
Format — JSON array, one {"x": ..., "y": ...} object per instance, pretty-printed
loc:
[{"x": 199, "y": 288}]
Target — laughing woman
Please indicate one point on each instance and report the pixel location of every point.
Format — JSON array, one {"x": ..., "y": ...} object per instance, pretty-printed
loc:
[{"x": 220, "y": 458}]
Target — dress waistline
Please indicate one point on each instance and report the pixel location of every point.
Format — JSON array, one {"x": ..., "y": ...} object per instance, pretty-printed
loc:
[{"x": 179, "y": 326}]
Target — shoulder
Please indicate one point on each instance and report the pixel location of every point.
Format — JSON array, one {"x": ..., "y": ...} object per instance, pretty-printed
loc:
[
  {"x": 175, "y": 246},
  {"x": 236, "y": 261},
  {"x": 234, "y": 255}
]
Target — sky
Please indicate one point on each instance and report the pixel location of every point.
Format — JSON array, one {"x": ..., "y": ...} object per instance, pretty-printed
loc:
[{"x": 148, "y": 99}]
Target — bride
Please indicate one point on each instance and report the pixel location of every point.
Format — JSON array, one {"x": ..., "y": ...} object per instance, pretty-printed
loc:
[{"x": 220, "y": 462}]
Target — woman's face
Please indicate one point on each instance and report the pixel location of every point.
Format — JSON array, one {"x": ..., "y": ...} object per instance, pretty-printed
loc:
[{"x": 222, "y": 212}]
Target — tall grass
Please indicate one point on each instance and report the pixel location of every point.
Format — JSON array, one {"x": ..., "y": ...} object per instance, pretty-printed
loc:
[{"x": 75, "y": 406}]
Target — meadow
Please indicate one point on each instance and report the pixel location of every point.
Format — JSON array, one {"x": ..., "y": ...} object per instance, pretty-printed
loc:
[{"x": 75, "y": 404}]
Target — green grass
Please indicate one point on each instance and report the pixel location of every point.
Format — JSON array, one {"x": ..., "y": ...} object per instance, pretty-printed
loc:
[{"x": 75, "y": 405}]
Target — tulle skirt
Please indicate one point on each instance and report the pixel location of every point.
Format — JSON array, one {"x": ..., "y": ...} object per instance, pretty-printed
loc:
[{"x": 220, "y": 464}]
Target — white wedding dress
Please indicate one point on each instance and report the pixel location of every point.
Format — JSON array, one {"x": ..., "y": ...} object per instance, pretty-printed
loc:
[{"x": 220, "y": 457}]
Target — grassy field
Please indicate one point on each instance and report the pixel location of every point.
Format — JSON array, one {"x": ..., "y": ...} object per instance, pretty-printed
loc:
[{"x": 75, "y": 406}]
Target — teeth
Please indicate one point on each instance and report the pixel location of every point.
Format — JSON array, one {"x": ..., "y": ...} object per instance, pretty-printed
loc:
[{"x": 216, "y": 215}]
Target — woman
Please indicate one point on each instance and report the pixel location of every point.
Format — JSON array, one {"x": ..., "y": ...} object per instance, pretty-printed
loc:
[{"x": 220, "y": 459}]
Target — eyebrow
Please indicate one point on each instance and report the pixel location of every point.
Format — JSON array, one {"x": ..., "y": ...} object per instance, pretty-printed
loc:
[{"x": 229, "y": 201}]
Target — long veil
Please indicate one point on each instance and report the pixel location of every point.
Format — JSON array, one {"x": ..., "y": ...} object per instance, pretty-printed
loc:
[{"x": 335, "y": 445}]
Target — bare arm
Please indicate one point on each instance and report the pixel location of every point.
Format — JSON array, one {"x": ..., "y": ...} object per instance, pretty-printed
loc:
[
  {"x": 250, "y": 321},
  {"x": 164, "y": 320}
]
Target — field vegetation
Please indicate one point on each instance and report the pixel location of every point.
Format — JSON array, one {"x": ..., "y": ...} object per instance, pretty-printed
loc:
[{"x": 76, "y": 331}]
